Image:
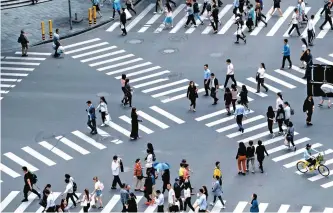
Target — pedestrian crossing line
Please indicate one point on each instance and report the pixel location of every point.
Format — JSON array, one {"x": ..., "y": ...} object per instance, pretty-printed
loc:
[
  {"x": 10, "y": 197},
  {"x": 141, "y": 127},
  {"x": 283, "y": 209},
  {"x": 94, "y": 52},
  {"x": 174, "y": 14},
  {"x": 13, "y": 74},
  {"x": 261, "y": 25},
  {"x": 276, "y": 139},
  {"x": 150, "y": 22},
  {"x": 20, "y": 63},
  {"x": 167, "y": 100},
  {"x": 217, "y": 207},
  {"x": 151, "y": 208},
  {"x": 262, "y": 207},
  {"x": 55, "y": 150},
  {"x": 113, "y": 26},
  {"x": 119, "y": 64},
  {"x": 85, "y": 48},
  {"x": 117, "y": 141},
  {"x": 324, "y": 61},
  {"x": 307, "y": 9},
  {"x": 55, "y": 196},
  {"x": 9, "y": 171},
  {"x": 81, "y": 43},
  {"x": 319, "y": 176},
  {"x": 34, "y": 53},
  {"x": 197, "y": 22},
  {"x": 284, "y": 73},
  {"x": 283, "y": 147},
  {"x": 38, "y": 156},
  {"x": 70, "y": 203},
  {"x": 227, "y": 25},
  {"x": 105, "y": 134},
  {"x": 139, "y": 17},
  {"x": 252, "y": 128},
  {"x": 118, "y": 128},
  {"x": 7, "y": 85},
  {"x": 250, "y": 89},
  {"x": 169, "y": 92},
  {"x": 165, "y": 86},
  {"x": 327, "y": 185},
  {"x": 257, "y": 136},
  {"x": 325, "y": 30},
  {"x": 167, "y": 114},
  {"x": 103, "y": 56},
  {"x": 22, "y": 58},
  {"x": 291, "y": 154},
  {"x": 240, "y": 207},
  {"x": 302, "y": 71},
  {"x": 315, "y": 20},
  {"x": 331, "y": 55},
  {"x": 111, "y": 60},
  {"x": 129, "y": 68},
  {"x": 17, "y": 69},
  {"x": 140, "y": 72},
  {"x": 72, "y": 145},
  {"x": 220, "y": 112},
  {"x": 4, "y": 92},
  {"x": 20, "y": 161},
  {"x": 244, "y": 122},
  {"x": 111, "y": 204},
  {"x": 328, "y": 210},
  {"x": 149, "y": 76},
  {"x": 152, "y": 120},
  {"x": 10, "y": 80},
  {"x": 306, "y": 209},
  {"x": 280, "y": 21},
  {"x": 283, "y": 83},
  {"x": 179, "y": 25},
  {"x": 273, "y": 89},
  {"x": 151, "y": 82},
  {"x": 221, "y": 14},
  {"x": 89, "y": 140},
  {"x": 223, "y": 120},
  {"x": 25, "y": 205}
]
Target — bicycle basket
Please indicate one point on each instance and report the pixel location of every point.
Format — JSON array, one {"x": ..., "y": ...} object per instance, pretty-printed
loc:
[{"x": 320, "y": 158}]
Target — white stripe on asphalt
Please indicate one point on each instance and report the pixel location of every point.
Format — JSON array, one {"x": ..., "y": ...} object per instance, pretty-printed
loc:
[
  {"x": 197, "y": 22},
  {"x": 240, "y": 207},
  {"x": 150, "y": 76},
  {"x": 250, "y": 89},
  {"x": 4, "y": 92},
  {"x": 328, "y": 210},
  {"x": 72, "y": 145},
  {"x": 20, "y": 161},
  {"x": 140, "y": 72},
  {"x": 81, "y": 43},
  {"x": 327, "y": 185},
  {"x": 220, "y": 112},
  {"x": 111, "y": 204},
  {"x": 167, "y": 114},
  {"x": 297, "y": 69},
  {"x": 324, "y": 61},
  {"x": 325, "y": 30},
  {"x": 7, "y": 85},
  {"x": 331, "y": 55},
  {"x": 165, "y": 86},
  {"x": 119, "y": 64},
  {"x": 254, "y": 137},
  {"x": 141, "y": 127},
  {"x": 86, "y": 48},
  {"x": 291, "y": 76},
  {"x": 70, "y": 203},
  {"x": 250, "y": 129},
  {"x": 105, "y": 134},
  {"x": 262, "y": 207},
  {"x": 276, "y": 80},
  {"x": 17, "y": 69},
  {"x": 169, "y": 92},
  {"x": 88, "y": 140},
  {"x": 283, "y": 209},
  {"x": 306, "y": 209},
  {"x": 167, "y": 100},
  {"x": 119, "y": 128},
  {"x": 55, "y": 150},
  {"x": 152, "y": 120},
  {"x": 276, "y": 139},
  {"x": 217, "y": 207},
  {"x": 174, "y": 14},
  {"x": 8, "y": 200},
  {"x": 227, "y": 25},
  {"x": 129, "y": 68},
  {"x": 117, "y": 141},
  {"x": 14, "y": 74},
  {"x": 111, "y": 60},
  {"x": 151, "y": 208},
  {"x": 179, "y": 25},
  {"x": 55, "y": 196},
  {"x": 279, "y": 23},
  {"x": 24, "y": 58},
  {"x": 25, "y": 205},
  {"x": 291, "y": 154},
  {"x": 244, "y": 122},
  {"x": 319, "y": 176},
  {"x": 113, "y": 26},
  {"x": 33, "y": 53},
  {"x": 10, "y": 80},
  {"x": 139, "y": 17},
  {"x": 103, "y": 56},
  {"x": 315, "y": 20},
  {"x": 273, "y": 89},
  {"x": 94, "y": 52},
  {"x": 261, "y": 25},
  {"x": 150, "y": 22},
  {"x": 221, "y": 14},
  {"x": 223, "y": 120},
  {"x": 283, "y": 147},
  {"x": 9, "y": 171},
  {"x": 151, "y": 82},
  {"x": 286, "y": 33},
  {"x": 38, "y": 156}
]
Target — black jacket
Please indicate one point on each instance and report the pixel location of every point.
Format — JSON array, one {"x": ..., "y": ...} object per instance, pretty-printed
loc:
[
  {"x": 216, "y": 83},
  {"x": 308, "y": 105},
  {"x": 178, "y": 190},
  {"x": 192, "y": 92},
  {"x": 196, "y": 7},
  {"x": 123, "y": 18},
  {"x": 260, "y": 151},
  {"x": 215, "y": 14},
  {"x": 250, "y": 151}
]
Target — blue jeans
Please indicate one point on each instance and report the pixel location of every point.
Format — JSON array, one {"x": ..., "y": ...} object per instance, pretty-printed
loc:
[{"x": 197, "y": 16}]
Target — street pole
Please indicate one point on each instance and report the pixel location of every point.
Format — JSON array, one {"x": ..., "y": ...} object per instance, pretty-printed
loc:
[{"x": 70, "y": 14}]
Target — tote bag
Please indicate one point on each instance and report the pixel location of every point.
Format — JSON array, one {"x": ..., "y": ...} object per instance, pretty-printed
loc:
[{"x": 128, "y": 14}]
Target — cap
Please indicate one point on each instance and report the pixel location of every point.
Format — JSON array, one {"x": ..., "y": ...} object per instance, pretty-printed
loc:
[
  {"x": 176, "y": 179},
  {"x": 308, "y": 145}
]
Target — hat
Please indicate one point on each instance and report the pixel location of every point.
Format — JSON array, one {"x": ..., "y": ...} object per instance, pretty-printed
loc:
[
  {"x": 176, "y": 179},
  {"x": 308, "y": 145}
]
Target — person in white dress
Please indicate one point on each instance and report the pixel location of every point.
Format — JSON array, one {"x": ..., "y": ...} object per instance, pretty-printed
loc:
[{"x": 103, "y": 109}]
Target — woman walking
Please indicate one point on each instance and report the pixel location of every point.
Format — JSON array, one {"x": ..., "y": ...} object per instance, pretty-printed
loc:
[
  {"x": 260, "y": 77},
  {"x": 250, "y": 150},
  {"x": 165, "y": 179},
  {"x": 260, "y": 151},
  {"x": 43, "y": 201},
  {"x": 187, "y": 196},
  {"x": 103, "y": 109},
  {"x": 304, "y": 55},
  {"x": 308, "y": 108},
  {"x": 132, "y": 204},
  {"x": 234, "y": 93},
  {"x": 148, "y": 186},
  {"x": 280, "y": 116},
  {"x": 270, "y": 119},
  {"x": 227, "y": 100},
  {"x": 85, "y": 202},
  {"x": 128, "y": 93},
  {"x": 138, "y": 175},
  {"x": 122, "y": 83},
  {"x": 168, "y": 22},
  {"x": 254, "y": 204},
  {"x": 135, "y": 125},
  {"x": 243, "y": 97},
  {"x": 279, "y": 100},
  {"x": 123, "y": 21},
  {"x": 290, "y": 134},
  {"x": 287, "y": 113},
  {"x": 241, "y": 159},
  {"x": 192, "y": 95},
  {"x": 129, "y": 5}
]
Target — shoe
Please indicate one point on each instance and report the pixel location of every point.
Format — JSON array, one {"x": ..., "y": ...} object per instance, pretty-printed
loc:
[
  {"x": 242, "y": 130},
  {"x": 194, "y": 110},
  {"x": 113, "y": 188},
  {"x": 252, "y": 172},
  {"x": 223, "y": 206},
  {"x": 309, "y": 124},
  {"x": 101, "y": 207},
  {"x": 25, "y": 200},
  {"x": 212, "y": 204},
  {"x": 244, "y": 41},
  {"x": 282, "y": 68},
  {"x": 257, "y": 92},
  {"x": 304, "y": 77},
  {"x": 294, "y": 148},
  {"x": 321, "y": 28},
  {"x": 262, "y": 171},
  {"x": 239, "y": 173},
  {"x": 236, "y": 42},
  {"x": 136, "y": 190},
  {"x": 214, "y": 103},
  {"x": 320, "y": 105},
  {"x": 155, "y": 12},
  {"x": 205, "y": 95},
  {"x": 202, "y": 23},
  {"x": 289, "y": 67},
  {"x": 266, "y": 89},
  {"x": 243, "y": 174},
  {"x": 103, "y": 124}
]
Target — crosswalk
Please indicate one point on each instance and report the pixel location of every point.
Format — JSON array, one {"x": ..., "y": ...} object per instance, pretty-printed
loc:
[
  {"x": 8, "y": 4},
  {"x": 66, "y": 147},
  {"x": 113, "y": 204},
  {"x": 147, "y": 22},
  {"x": 14, "y": 68}
]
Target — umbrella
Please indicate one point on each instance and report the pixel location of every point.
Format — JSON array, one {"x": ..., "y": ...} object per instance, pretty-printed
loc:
[{"x": 161, "y": 166}]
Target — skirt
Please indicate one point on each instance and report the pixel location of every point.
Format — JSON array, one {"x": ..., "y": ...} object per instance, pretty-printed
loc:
[{"x": 168, "y": 20}]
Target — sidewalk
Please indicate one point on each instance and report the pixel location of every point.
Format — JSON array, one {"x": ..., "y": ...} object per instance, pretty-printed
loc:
[{"x": 29, "y": 19}]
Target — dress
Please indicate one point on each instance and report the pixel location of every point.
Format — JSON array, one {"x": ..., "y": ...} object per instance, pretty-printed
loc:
[{"x": 135, "y": 126}]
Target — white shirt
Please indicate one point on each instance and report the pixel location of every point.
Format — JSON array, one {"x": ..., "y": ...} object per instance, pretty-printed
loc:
[
  {"x": 187, "y": 193},
  {"x": 103, "y": 107},
  {"x": 261, "y": 72},
  {"x": 303, "y": 48},
  {"x": 171, "y": 196},
  {"x": 212, "y": 84},
  {"x": 278, "y": 102},
  {"x": 97, "y": 185},
  {"x": 115, "y": 167},
  {"x": 287, "y": 112},
  {"x": 230, "y": 69},
  {"x": 311, "y": 25},
  {"x": 327, "y": 88},
  {"x": 69, "y": 187},
  {"x": 303, "y": 6},
  {"x": 50, "y": 201},
  {"x": 294, "y": 19},
  {"x": 160, "y": 200},
  {"x": 149, "y": 161}
]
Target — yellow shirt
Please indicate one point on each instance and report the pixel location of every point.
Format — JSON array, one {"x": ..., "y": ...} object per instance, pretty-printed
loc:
[
  {"x": 181, "y": 171},
  {"x": 217, "y": 172}
]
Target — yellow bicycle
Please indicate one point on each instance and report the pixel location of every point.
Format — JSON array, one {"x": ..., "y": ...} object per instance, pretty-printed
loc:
[{"x": 303, "y": 166}]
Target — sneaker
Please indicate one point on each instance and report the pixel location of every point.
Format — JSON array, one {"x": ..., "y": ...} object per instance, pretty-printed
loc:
[
  {"x": 320, "y": 105},
  {"x": 223, "y": 206},
  {"x": 24, "y": 200},
  {"x": 212, "y": 204},
  {"x": 103, "y": 124},
  {"x": 194, "y": 110},
  {"x": 294, "y": 148}
]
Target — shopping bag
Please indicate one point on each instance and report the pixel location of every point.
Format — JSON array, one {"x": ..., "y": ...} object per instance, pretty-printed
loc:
[
  {"x": 286, "y": 142},
  {"x": 128, "y": 14},
  {"x": 107, "y": 118}
]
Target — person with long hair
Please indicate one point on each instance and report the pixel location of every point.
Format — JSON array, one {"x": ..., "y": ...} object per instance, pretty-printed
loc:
[
  {"x": 132, "y": 204},
  {"x": 279, "y": 100},
  {"x": 270, "y": 119},
  {"x": 241, "y": 159},
  {"x": 308, "y": 108},
  {"x": 290, "y": 134},
  {"x": 304, "y": 54},
  {"x": 187, "y": 196},
  {"x": 122, "y": 83},
  {"x": 128, "y": 93},
  {"x": 234, "y": 93},
  {"x": 280, "y": 117},
  {"x": 103, "y": 109},
  {"x": 165, "y": 179},
  {"x": 260, "y": 77},
  {"x": 260, "y": 151},
  {"x": 192, "y": 95},
  {"x": 227, "y": 100},
  {"x": 243, "y": 97},
  {"x": 168, "y": 21},
  {"x": 44, "y": 196},
  {"x": 135, "y": 125},
  {"x": 86, "y": 199}
]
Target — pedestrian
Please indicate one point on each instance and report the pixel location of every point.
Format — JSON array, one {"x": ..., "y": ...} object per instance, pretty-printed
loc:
[
  {"x": 290, "y": 134},
  {"x": 201, "y": 202},
  {"x": 260, "y": 16},
  {"x": 239, "y": 33},
  {"x": 187, "y": 197},
  {"x": 44, "y": 197},
  {"x": 270, "y": 120},
  {"x": 236, "y": 7},
  {"x": 286, "y": 54},
  {"x": 56, "y": 42},
  {"x": 214, "y": 19},
  {"x": 254, "y": 204},
  {"x": 326, "y": 88},
  {"x": 279, "y": 100},
  {"x": 138, "y": 175},
  {"x": 214, "y": 86},
  {"x": 168, "y": 21},
  {"x": 304, "y": 54},
  {"x": 135, "y": 125},
  {"x": 123, "y": 21},
  {"x": 122, "y": 83},
  {"x": 50, "y": 202},
  {"x": 148, "y": 188},
  {"x": 91, "y": 118},
  {"x": 230, "y": 73},
  {"x": 190, "y": 16},
  {"x": 124, "y": 197},
  {"x": 128, "y": 93},
  {"x": 69, "y": 191},
  {"x": 206, "y": 7},
  {"x": 177, "y": 187},
  {"x": 149, "y": 161},
  {"x": 206, "y": 78},
  {"x": 192, "y": 95},
  {"x": 251, "y": 18},
  {"x": 308, "y": 108},
  {"x": 280, "y": 117},
  {"x": 227, "y": 100},
  {"x": 260, "y": 151},
  {"x": 103, "y": 109},
  {"x": 239, "y": 114},
  {"x": 115, "y": 167},
  {"x": 159, "y": 201},
  {"x": 158, "y": 3},
  {"x": 172, "y": 2},
  {"x": 311, "y": 30},
  {"x": 29, "y": 180},
  {"x": 234, "y": 93},
  {"x": 98, "y": 10},
  {"x": 97, "y": 193},
  {"x": 243, "y": 97},
  {"x": 250, "y": 150},
  {"x": 309, "y": 65},
  {"x": 294, "y": 22},
  {"x": 277, "y": 7},
  {"x": 23, "y": 40},
  {"x": 260, "y": 77},
  {"x": 116, "y": 7},
  {"x": 86, "y": 199},
  {"x": 130, "y": 6},
  {"x": 217, "y": 191},
  {"x": 63, "y": 206},
  {"x": 205, "y": 191},
  {"x": 328, "y": 16},
  {"x": 165, "y": 179},
  {"x": 217, "y": 172},
  {"x": 196, "y": 11},
  {"x": 327, "y": 3},
  {"x": 241, "y": 159},
  {"x": 287, "y": 112}
]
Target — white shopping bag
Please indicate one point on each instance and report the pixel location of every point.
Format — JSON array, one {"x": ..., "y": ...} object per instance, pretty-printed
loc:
[
  {"x": 128, "y": 14},
  {"x": 107, "y": 118}
]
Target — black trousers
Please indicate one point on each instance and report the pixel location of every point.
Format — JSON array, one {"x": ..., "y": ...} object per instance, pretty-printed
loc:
[
  {"x": 129, "y": 99},
  {"x": 57, "y": 43},
  {"x": 203, "y": 8},
  {"x": 261, "y": 82},
  {"x": 311, "y": 161},
  {"x": 188, "y": 203},
  {"x": 220, "y": 198},
  {"x": 233, "y": 101},
  {"x": 239, "y": 37},
  {"x": 181, "y": 205},
  {"x": 234, "y": 11},
  {"x": 215, "y": 24},
  {"x": 329, "y": 20},
  {"x": 26, "y": 189},
  {"x": 193, "y": 102},
  {"x": 86, "y": 208},
  {"x": 124, "y": 208},
  {"x": 239, "y": 120},
  {"x": 293, "y": 27},
  {"x": 284, "y": 60},
  {"x": 70, "y": 195},
  {"x": 124, "y": 28},
  {"x": 270, "y": 125},
  {"x": 160, "y": 208},
  {"x": 129, "y": 7},
  {"x": 92, "y": 124},
  {"x": 157, "y": 5},
  {"x": 261, "y": 160},
  {"x": 311, "y": 36},
  {"x": 309, "y": 116},
  {"x": 51, "y": 209},
  {"x": 116, "y": 179},
  {"x": 103, "y": 115},
  {"x": 190, "y": 18},
  {"x": 172, "y": 2},
  {"x": 292, "y": 140},
  {"x": 280, "y": 123},
  {"x": 206, "y": 86},
  {"x": 260, "y": 18},
  {"x": 213, "y": 94},
  {"x": 227, "y": 79},
  {"x": 114, "y": 12}
]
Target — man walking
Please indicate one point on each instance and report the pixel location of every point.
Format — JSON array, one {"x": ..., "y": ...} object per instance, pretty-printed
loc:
[
  {"x": 206, "y": 78},
  {"x": 23, "y": 40},
  {"x": 69, "y": 191},
  {"x": 56, "y": 42},
  {"x": 239, "y": 114},
  {"x": 29, "y": 180},
  {"x": 311, "y": 32},
  {"x": 294, "y": 21},
  {"x": 309, "y": 64},
  {"x": 230, "y": 73},
  {"x": 214, "y": 86},
  {"x": 328, "y": 16},
  {"x": 286, "y": 54},
  {"x": 215, "y": 18},
  {"x": 91, "y": 118},
  {"x": 115, "y": 166},
  {"x": 124, "y": 197}
]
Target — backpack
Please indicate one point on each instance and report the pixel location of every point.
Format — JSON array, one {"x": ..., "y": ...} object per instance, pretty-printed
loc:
[
  {"x": 154, "y": 157},
  {"x": 101, "y": 186},
  {"x": 22, "y": 39},
  {"x": 74, "y": 187},
  {"x": 34, "y": 178}
]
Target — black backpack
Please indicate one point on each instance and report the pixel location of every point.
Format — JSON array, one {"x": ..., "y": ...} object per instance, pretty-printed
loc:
[
  {"x": 74, "y": 187},
  {"x": 34, "y": 178}
]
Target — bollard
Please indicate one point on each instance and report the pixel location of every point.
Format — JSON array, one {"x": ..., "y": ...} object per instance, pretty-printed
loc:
[
  {"x": 94, "y": 14},
  {"x": 43, "y": 30},
  {"x": 50, "y": 29},
  {"x": 90, "y": 16}
]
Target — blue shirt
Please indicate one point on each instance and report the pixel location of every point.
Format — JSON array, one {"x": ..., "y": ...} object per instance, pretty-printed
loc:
[
  {"x": 91, "y": 112},
  {"x": 254, "y": 206},
  {"x": 206, "y": 74},
  {"x": 236, "y": 3},
  {"x": 202, "y": 202},
  {"x": 240, "y": 110},
  {"x": 286, "y": 50}
]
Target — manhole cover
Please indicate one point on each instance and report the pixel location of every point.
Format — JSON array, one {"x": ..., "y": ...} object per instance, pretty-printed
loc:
[
  {"x": 169, "y": 51},
  {"x": 102, "y": 94},
  {"x": 215, "y": 55},
  {"x": 134, "y": 41},
  {"x": 178, "y": 38}
]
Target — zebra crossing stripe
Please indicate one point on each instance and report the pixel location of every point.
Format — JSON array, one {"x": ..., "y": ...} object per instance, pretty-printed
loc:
[
  {"x": 111, "y": 204},
  {"x": 282, "y": 147},
  {"x": 220, "y": 112},
  {"x": 55, "y": 150},
  {"x": 167, "y": 114},
  {"x": 141, "y": 127},
  {"x": 150, "y": 76},
  {"x": 223, "y": 120},
  {"x": 94, "y": 52},
  {"x": 315, "y": 20},
  {"x": 302, "y": 71},
  {"x": 139, "y": 17},
  {"x": 328, "y": 210},
  {"x": 150, "y": 22},
  {"x": 20, "y": 63},
  {"x": 113, "y": 26},
  {"x": 179, "y": 25},
  {"x": 197, "y": 22},
  {"x": 281, "y": 72},
  {"x": 119, "y": 64},
  {"x": 281, "y": 20},
  {"x": 140, "y": 72},
  {"x": 218, "y": 206},
  {"x": 9, "y": 171},
  {"x": 255, "y": 137},
  {"x": 169, "y": 92},
  {"x": 167, "y": 100},
  {"x": 118, "y": 128},
  {"x": 103, "y": 56},
  {"x": 13, "y": 74},
  {"x": 151, "y": 82},
  {"x": 283, "y": 83},
  {"x": 8, "y": 199},
  {"x": 151, "y": 209},
  {"x": 20, "y": 161},
  {"x": 244, "y": 122},
  {"x": 291, "y": 154},
  {"x": 261, "y": 25},
  {"x": 111, "y": 60},
  {"x": 72, "y": 145},
  {"x": 276, "y": 139},
  {"x": 165, "y": 86},
  {"x": 331, "y": 55},
  {"x": 286, "y": 33},
  {"x": 174, "y": 14},
  {"x": 88, "y": 140},
  {"x": 10, "y": 80},
  {"x": 240, "y": 207},
  {"x": 21, "y": 58},
  {"x": 86, "y": 48},
  {"x": 273, "y": 89},
  {"x": 81, "y": 43},
  {"x": 25, "y": 205},
  {"x": 319, "y": 176},
  {"x": 306, "y": 209},
  {"x": 327, "y": 185},
  {"x": 252, "y": 128},
  {"x": 7, "y": 85},
  {"x": 152, "y": 120},
  {"x": 128, "y": 68},
  {"x": 262, "y": 207},
  {"x": 70, "y": 203},
  {"x": 17, "y": 69},
  {"x": 4, "y": 92},
  {"x": 38, "y": 156},
  {"x": 325, "y": 30},
  {"x": 250, "y": 89},
  {"x": 34, "y": 53},
  {"x": 106, "y": 135},
  {"x": 227, "y": 25},
  {"x": 221, "y": 14},
  {"x": 283, "y": 209},
  {"x": 324, "y": 61}
]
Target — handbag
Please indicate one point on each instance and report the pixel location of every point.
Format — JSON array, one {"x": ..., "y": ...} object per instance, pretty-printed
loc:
[
  {"x": 122, "y": 26},
  {"x": 286, "y": 142},
  {"x": 257, "y": 77}
]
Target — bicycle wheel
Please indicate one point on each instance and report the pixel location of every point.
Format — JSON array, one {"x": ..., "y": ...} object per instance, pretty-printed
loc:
[
  {"x": 302, "y": 167},
  {"x": 323, "y": 170}
]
